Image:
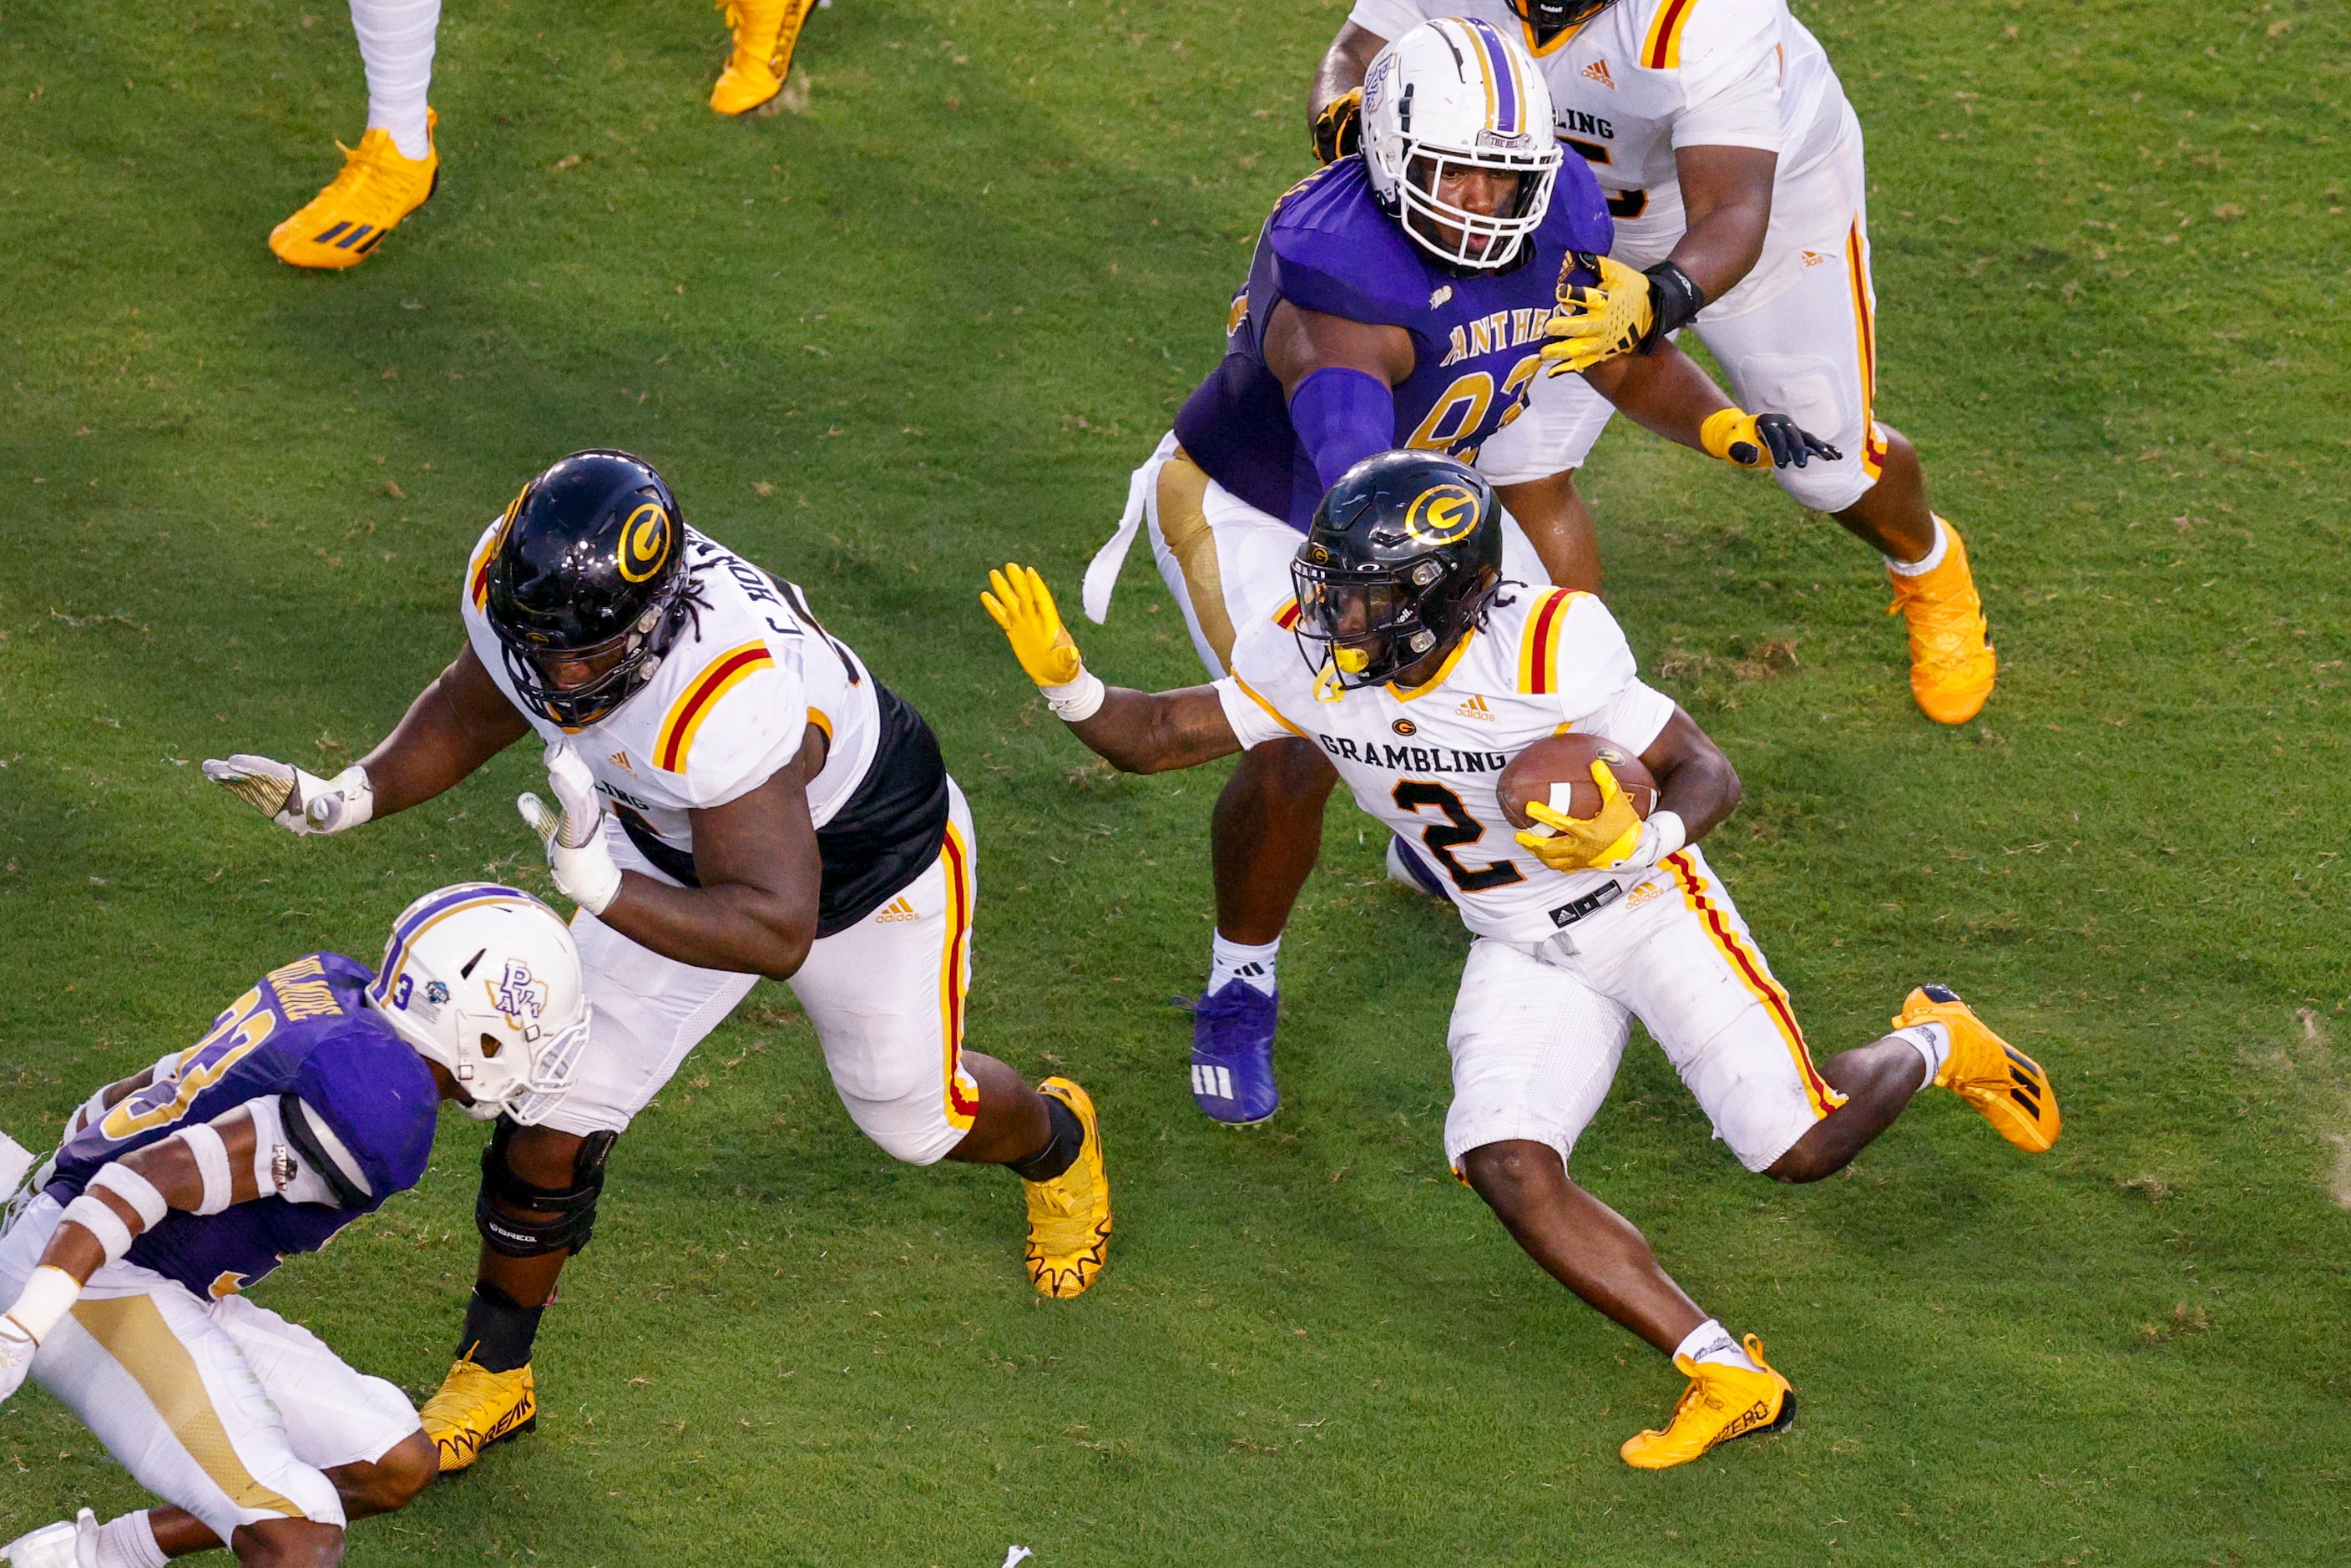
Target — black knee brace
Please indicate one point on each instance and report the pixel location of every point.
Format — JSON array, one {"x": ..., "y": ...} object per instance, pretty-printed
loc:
[{"x": 505, "y": 1197}]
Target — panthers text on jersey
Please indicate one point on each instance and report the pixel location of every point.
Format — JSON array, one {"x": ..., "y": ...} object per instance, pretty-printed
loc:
[
  {"x": 1646, "y": 76},
  {"x": 367, "y": 1106},
  {"x": 1476, "y": 336},
  {"x": 729, "y": 705},
  {"x": 1424, "y": 759}
]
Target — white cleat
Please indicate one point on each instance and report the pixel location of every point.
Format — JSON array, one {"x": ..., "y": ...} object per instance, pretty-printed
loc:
[{"x": 69, "y": 1543}]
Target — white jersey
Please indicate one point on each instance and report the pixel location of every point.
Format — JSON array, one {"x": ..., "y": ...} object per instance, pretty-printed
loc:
[
  {"x": 729, "y": 706},
  {"x": 1646, "y": 76},
  {"x": 1425, "y": 760}
]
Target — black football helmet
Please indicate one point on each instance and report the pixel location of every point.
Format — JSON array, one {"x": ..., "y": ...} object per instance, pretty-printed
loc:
[
  {"x": 587, "y": 584},
  {"x": 1549, "y": 18},
  {"x": 1404, "y": 556}
]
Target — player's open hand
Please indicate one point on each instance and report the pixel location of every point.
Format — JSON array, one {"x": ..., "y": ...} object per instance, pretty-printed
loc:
[
  {"x": 16, "y": 1351},
  {"x": 577, "y": 855},
  {"x": 1023, "y": 606},
  {"x": 1596, "y": 322},
  {"x": 297, "y": 801},
  {"x": 1568, "y": 843},
  {"x": 1761, "y": 440}
]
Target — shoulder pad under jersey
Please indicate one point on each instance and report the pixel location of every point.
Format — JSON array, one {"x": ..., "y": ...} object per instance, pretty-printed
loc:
[
  {"x": 1336, "y": 251},
  {"x": 1578, "y": 218},
  {"x": 377, "y": 1095}
]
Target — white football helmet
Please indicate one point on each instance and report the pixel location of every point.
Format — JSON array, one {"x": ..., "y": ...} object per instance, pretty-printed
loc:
[
  {"x": 484, "y": 980},
  {"x": 1451, "y": 94}
]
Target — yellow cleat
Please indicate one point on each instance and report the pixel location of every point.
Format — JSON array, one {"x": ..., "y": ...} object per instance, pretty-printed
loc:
[
  {"x": 1952, "y": 665},
  {"x": 377, "y": 188},
  {"x": 2008, "y": 1088},
  {"x": 1068, "y": 1217},
  {"x": 765, "y": 33},
  {"x": 1721, "y": 1403},
  {"x": 475, "y": 1407}
]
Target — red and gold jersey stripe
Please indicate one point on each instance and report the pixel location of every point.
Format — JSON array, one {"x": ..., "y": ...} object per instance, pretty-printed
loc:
[
  {"x": 1748, "y": 964},
  {"x": 1865, "y": 322},
  {"x": 1539, "y": 651},
  {"x": 1662, "y": 49},
  {"x": 722, "y": 676},
  {"x": 1287, "y": 616},
  {"x": 955, "y": 978}
]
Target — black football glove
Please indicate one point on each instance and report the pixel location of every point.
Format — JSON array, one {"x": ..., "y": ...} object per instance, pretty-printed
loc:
[
  {"x": 1338, "y": 129},
  {"x": 1761, "y": 440}
]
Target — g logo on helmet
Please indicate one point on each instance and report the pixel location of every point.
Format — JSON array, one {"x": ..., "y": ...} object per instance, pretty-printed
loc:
[
  {"x": 644, "y": 542},
  {"x": 1441, "y": 515}
]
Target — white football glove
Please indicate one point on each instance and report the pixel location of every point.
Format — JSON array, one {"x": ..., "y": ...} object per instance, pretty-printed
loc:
[
  {"x": 577, "y": 855},
  {"x": 16, "y": 1351},
  {"x": 69, "y": 1543},
  {"x": 297, "y": 801}
]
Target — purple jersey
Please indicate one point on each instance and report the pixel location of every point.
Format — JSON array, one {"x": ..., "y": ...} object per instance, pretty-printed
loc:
[
  {"x": 1328, "y": 246},
  {"x": 306, "y": 1030}
]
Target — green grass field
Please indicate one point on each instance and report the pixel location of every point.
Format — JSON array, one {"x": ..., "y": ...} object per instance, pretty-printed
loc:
[{"x": 932, "y": 322}]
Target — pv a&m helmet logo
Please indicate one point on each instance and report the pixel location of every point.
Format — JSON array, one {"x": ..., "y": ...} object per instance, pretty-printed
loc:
[
  {"x": 1441, "y": 515},
  {"x": 518, "y": 994},
  {"x": 644, "y": 542}
]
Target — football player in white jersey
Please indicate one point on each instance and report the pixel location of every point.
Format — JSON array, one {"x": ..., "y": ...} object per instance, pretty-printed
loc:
[
  {"x": 1733, "y": 168},
  {"x": 1423, "y": 674},
  {"x": 737, "y": 796}
]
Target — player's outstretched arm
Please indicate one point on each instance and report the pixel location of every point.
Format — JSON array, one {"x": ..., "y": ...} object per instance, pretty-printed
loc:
[
  {"x": 201, "y": 1170},
  {"x": 1666, "y": 392},
  {"x": 1138, "y": 732},
  {"x": 456, "y": 724}
]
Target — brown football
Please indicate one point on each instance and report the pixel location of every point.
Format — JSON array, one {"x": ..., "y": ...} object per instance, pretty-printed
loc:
[{"x": 1563, "y": 763}]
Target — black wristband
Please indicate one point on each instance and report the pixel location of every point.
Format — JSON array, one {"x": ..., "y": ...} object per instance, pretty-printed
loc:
[{"x": 1674, "y": 300}]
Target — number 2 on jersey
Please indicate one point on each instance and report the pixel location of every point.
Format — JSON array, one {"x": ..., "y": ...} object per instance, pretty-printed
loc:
[{"x": 1458, "y": 830}]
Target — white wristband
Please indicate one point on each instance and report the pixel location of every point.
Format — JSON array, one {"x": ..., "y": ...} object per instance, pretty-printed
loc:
[
  {"x": 93, "y": 1216},
  {"x": 133, "y": 1189},
  {"x": 1078, "y": 701},
  {"x": 204, "y": 1142},
  {"x": 1661, "y": 835},
  {"x": 45, "y": 1300}
]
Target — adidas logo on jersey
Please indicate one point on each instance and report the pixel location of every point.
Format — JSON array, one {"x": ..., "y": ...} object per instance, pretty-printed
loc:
[
  {"x": 897, "y": 909},
  {"x": 1476, "y": 708},
  {"x": 621, "y": 759},
  {"x": 1598, "y": 71}
]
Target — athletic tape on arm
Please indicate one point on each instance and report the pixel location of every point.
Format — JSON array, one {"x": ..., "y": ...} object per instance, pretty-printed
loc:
[{"x": 204, "y": 1142}]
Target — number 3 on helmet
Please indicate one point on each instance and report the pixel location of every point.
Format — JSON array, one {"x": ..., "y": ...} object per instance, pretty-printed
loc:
[
  {"x": 1453, "y": 96},
  {"x": 486, "y": 980}
]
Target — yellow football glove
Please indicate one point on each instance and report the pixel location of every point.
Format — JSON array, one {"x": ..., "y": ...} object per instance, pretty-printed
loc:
[
  {"x": 1761, "y": 440},
  {"x": 1581, "y": 843},
  {"x": 1597, "y": 322},
  {"x": 1023, "y": 606}
]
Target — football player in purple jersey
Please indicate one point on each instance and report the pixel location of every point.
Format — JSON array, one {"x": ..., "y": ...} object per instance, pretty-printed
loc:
[
  {"x": 1398, "y": 298},
  {"x": 310, "y": 1102}
]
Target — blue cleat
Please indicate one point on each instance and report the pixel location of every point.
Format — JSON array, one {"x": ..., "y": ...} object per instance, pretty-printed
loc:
[{"x": 1232, "y": 1055}]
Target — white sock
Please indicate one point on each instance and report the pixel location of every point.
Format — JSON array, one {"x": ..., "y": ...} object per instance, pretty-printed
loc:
[
  {"x": 1229, "y": 961},
  {"x": 1710, "y": 1342},
  {"x": 1934, "y": 1043},
  {"x": 396, "y": 43},
  {"x": 1925, "y": 563},
  {"x": 129, "y": 1543}
]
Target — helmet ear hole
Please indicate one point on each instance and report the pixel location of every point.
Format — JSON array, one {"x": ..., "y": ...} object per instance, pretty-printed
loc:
[{"x": 491, "y": 1044}]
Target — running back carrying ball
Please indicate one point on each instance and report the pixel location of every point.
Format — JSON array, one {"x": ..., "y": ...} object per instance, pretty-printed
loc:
[{"x": 1557, "y": 772}]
